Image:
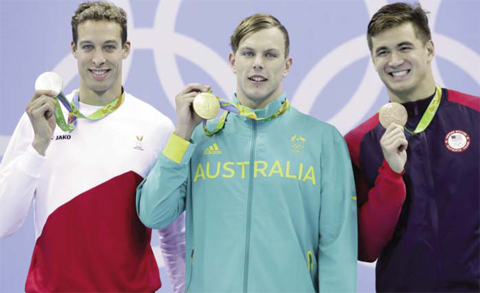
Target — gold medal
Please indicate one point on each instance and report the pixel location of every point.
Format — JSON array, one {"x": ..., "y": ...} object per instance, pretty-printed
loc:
[
  {"x": 393, "y": 113},
  {"x": 206, "y": 105},
  {"x": 49, "y": 81}
]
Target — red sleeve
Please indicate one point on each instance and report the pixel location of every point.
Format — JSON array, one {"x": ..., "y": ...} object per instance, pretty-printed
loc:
[
  {"x": 378, "y": 208},
  {"x": 464, "y": 99}
]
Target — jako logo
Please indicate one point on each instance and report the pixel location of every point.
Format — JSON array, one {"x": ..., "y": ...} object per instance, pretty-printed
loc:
[
  {"x": 212, "y": 150},
  {"x": 63, "y": 137}
]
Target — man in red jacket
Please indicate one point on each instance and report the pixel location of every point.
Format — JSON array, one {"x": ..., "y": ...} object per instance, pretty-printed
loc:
[{"x": 418, "y": 184}]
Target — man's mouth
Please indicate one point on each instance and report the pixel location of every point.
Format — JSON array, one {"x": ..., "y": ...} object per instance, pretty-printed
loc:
[
  {"x": 399, "y": 74},
  {"x": 97, "y": 73},
  {"x": 257, "y": 78}
]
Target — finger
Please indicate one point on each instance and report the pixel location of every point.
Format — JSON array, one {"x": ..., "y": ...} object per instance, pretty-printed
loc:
[
  {"x": 401, "y": 145},
  {"x": 40, "y": 111},
  {"x": 195, "y": 87},
  {"x": 393, "y": 132},
  {"x": 40, "y": 101},
  {"x": 396, "y": 146},
  {"x": 52, "y": 107},
  {"x": 393, "y": 137},
  {"x": 39, "y": 93},
  {"x": 392, "y": 128}
]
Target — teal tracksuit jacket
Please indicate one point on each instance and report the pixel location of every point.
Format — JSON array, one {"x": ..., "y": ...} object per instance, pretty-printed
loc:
[{"x": 270, "y": 205}]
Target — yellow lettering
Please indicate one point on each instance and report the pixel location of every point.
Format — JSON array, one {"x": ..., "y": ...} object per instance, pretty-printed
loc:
[
  {"x": 300, "y": 171},
  {"x": 232, "y": 172},
  {"x": 243, "y": 164},
  {"x": 276, "y": 169},
  {"x": 288, "y": 175},
  {"x": 199, "y": 173},
  {"x": 216, "y": 173},
  {"x": 310, "y": 175},
  {"x": 262, "y": 170}
]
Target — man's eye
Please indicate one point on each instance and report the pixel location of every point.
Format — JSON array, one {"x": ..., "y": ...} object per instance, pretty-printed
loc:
[{"x": 110, "y": 48}]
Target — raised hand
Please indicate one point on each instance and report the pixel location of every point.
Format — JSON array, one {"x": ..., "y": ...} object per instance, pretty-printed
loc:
[
  {"x": 394, "y": 147},
  {"x": 187, "y": 119},
  {"x": 40, "y": 111}
]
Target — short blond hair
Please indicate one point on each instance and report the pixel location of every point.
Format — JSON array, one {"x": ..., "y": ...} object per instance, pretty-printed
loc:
[{"x": 255, "y": 23}]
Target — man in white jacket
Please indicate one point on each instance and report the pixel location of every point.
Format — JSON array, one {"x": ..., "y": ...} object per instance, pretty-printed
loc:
[{"x": 82, "y": 176}]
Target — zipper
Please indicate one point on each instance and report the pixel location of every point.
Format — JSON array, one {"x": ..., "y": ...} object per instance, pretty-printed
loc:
[
  {"x": 249, "y": 206},
  {"x": 191, "y": 268},
  {"x": 310, "y": 260}
]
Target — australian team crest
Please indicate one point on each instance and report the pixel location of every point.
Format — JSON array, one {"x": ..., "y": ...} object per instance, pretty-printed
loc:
[{"x": 297, "y": 143}]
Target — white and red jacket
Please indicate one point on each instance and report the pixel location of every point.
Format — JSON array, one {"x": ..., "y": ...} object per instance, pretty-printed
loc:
[{"x": 88, "y": 235}]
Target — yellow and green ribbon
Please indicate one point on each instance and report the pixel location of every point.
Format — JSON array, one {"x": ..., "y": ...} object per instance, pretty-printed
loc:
[
  {"x": 231, "y": 107},
  {"x": 429, "y": 113},
  {"x": 74, "y": 112}
]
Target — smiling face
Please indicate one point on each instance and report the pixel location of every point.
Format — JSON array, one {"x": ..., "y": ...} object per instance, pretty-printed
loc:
[
  {"x": 260, "y": 64},
  {"x": 99, "y": 55},
  {"x": 403, "y": 62}
]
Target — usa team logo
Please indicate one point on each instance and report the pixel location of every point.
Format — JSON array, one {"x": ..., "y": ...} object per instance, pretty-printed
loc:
[{"x": 457, "y": 141}]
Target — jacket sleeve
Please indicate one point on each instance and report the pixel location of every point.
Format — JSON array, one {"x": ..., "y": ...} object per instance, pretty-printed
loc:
[
  {"x": 337, "y": 254},
  {"x": 172, "y": 245},
  {"x": 161, "y": 195},
  {"x": 20, "y": 172},
  {"x": 379, "y": 207}
]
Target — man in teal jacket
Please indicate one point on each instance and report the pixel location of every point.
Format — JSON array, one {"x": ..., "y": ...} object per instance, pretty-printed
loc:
[{"x": 270, "y": 197}]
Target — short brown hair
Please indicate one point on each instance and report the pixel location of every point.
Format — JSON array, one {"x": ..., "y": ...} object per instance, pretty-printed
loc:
[
  {"x": 99, "y": 11},
  {"x": 255, "y": 23},
  {"x": 396, "y": 14}
]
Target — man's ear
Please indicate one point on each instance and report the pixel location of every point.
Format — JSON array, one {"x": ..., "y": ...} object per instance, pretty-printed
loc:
[
  {"x": 231, "y": 59},
  {"x": 74, "y": 49},
  {"x": 288, "y": 66},
  {"x": 126, "y": 49},
  {"x": 430, "y": 47}
]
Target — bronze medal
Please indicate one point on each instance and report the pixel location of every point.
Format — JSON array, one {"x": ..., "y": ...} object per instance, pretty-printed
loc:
[{"x": 393, "y": 113}]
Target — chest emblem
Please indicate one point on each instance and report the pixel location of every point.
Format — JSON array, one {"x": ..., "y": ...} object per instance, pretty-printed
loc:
[
  {"x": 139, "y": 142},
  {"x": 457, "y": 141},
  {"x": 297, "y": 142}
]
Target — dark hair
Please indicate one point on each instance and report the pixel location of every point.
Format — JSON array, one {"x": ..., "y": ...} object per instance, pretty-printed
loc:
[
  {"x": 396, "y": 14},
  {"x": 99, "y": 11}
]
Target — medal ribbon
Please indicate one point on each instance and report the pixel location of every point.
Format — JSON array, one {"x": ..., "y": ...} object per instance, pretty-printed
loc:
[
  {"x": 429, "y": 113},
  {"x": 241, "y": 110},
  {"x": 74, "y": 112}
]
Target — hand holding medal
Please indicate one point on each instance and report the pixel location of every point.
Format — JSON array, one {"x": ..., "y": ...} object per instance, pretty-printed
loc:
[
  {"x": 393, "y": 116},
  {"x": 51, "y": 81}
]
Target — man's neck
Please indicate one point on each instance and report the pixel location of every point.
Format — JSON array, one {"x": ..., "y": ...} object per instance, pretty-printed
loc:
[
  {"x": 93, "y": 98},
  {"x": 250, "y": 103},
  {"x": 419, "y": 93}
]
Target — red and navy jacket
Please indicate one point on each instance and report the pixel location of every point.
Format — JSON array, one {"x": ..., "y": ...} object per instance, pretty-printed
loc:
[{"x": 423, "y": 225}]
